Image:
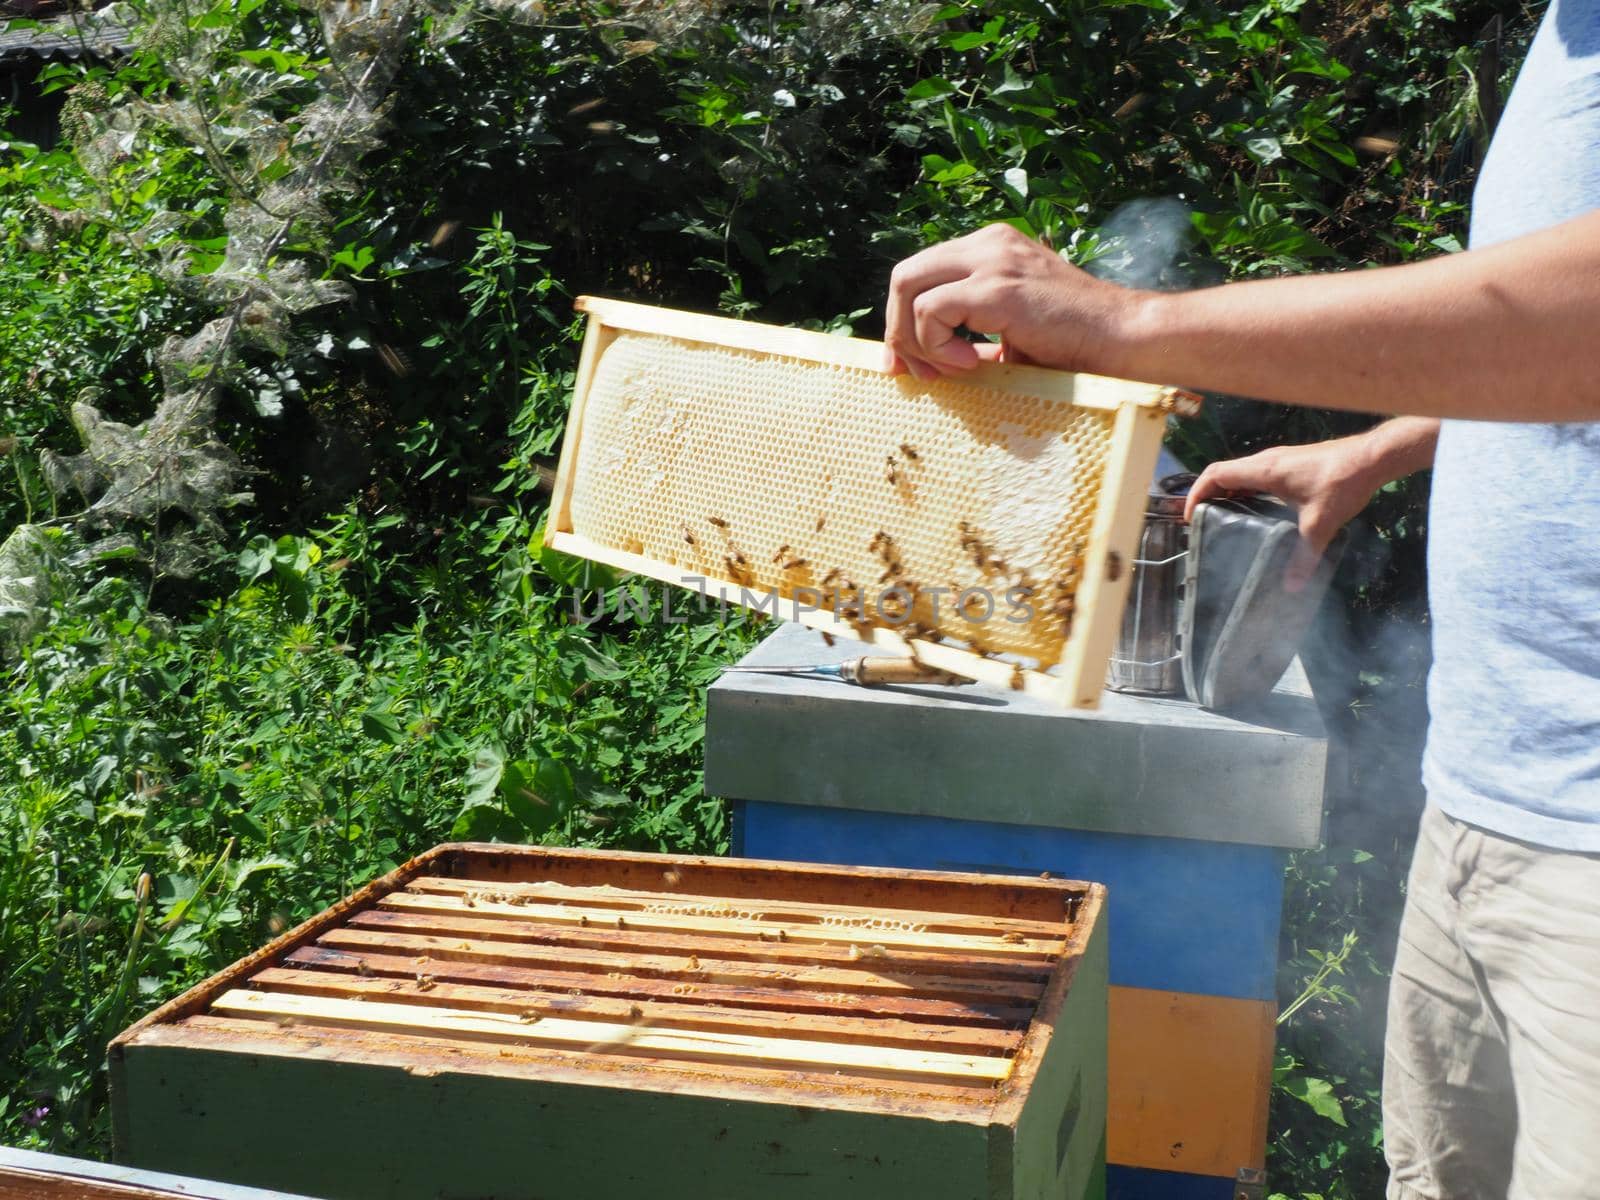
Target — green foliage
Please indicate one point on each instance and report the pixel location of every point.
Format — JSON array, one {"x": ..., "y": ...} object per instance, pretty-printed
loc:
[
  {"x": 382, "y": 655},
  {"x": 259, "y": 766}
]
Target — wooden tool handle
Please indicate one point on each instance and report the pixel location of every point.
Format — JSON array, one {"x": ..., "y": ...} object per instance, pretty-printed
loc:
[{"x": 874, "y": 672}]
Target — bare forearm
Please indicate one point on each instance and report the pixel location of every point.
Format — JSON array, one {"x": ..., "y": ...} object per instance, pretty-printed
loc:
[
  {"x": 1504, "y": 333},
  {"x": 1396, "y": 449}
]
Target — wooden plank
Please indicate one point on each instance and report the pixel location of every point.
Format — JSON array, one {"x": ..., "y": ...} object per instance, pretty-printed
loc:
[
  {"x": 1190, "y": 1080},
  {"x": 463, "y": 969},
  {"x": 724, "y": 927},
  {"x": 599, "y": 937},
  {"x": 608, "y": 896},
  {"x": 425, "y": 990},
  {"x": 430, "y": 1057},
  {"x": 1058, "y": 387},
  {"x": 1041, "y": 898},
  {"x": 602, "y": 1037},
  {"x": 875, "y": 977},
  {"x": 1118, "y": 516},
  {"x": 595, "y": 339},
  {"x": 31, "y": 1185}
]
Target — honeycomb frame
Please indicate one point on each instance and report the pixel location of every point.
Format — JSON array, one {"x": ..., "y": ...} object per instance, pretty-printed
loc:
[{"x": 677, "y": 465}]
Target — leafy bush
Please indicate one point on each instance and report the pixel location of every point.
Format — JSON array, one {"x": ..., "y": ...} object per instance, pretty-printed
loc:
[{"x": 379, "y": 656}]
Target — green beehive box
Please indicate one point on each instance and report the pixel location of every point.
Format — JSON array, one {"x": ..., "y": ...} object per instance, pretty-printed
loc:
[{"x": 536, "y": 1024}]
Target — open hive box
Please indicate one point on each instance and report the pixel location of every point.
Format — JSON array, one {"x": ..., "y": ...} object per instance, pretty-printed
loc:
[
  {"x": 986, "y": 524},
  {"x": 523, "y": 1022}
]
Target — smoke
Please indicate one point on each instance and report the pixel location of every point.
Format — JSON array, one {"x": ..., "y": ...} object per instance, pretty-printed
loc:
[
  {"x": 1367, "y": 657},
  {"x": 1149, "y": 244}
]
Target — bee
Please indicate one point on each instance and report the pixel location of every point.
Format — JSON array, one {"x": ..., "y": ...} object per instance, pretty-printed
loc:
[
  {"x": 855, "y": 952},
  {"x": 782, "y": 936},
  {"x": 671, "y": 878},
  {"x": 1113, "y": 567},
  {"x": 424, "y": 983},
  {"x": 469, "y": 900},
  {"x": 833, "y": 573},
  {"x": 910, "y": 454},
  {"x": 635, "y": 1013},
  {"x": 780, "y": 552},
  {"x": 891, "y": 474},
  {"x": 998, "y": 566},
  {"x": 688, "y": 536},
  {"x": 718, "y": 522},
  {"x": 1064, "y": 608},
  {"x": 878, "y": 539},
  {"x": 621, "y": 924},
  {"x": 821, "y": 521},
  {"x": 794, "y": 564},
  {"x": 887, "y": 575},
  {"x": 738, "y": 557},
  {"x": 528, "y": 1016},
  {"x": 877, "y": 951},
  {"x": 694, "y": 963},
  {"x": 827, "y": 640},
  {"x": 582, "y": 920},
  {"x": 1016, "y": 939},
  {"x": 1017, "y": 679}
]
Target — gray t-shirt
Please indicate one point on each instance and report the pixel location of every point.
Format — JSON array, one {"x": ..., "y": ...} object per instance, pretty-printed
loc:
[{"x": 1514, "y": 526}]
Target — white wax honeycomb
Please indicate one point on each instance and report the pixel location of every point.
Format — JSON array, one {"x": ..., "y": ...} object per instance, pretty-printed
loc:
[{"x": 806, "y": 463}]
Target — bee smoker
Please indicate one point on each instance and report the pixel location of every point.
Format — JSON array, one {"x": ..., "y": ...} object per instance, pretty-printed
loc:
[
  {"x": 1146, "y": 659},
  {"x": 1208, "y": 616}
]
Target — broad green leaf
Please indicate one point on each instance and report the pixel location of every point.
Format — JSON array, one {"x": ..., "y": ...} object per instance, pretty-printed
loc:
[
  {"x": 482, "y": 782},
  {"x": 382, "y": 726},
  {"x": 1318, "y": 1093}
]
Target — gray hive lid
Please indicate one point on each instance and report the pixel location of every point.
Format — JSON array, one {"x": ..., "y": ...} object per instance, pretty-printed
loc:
[{"x": 1137, "y": 765}]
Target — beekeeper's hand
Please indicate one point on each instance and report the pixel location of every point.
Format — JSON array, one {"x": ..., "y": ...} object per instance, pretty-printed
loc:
[
  {"x": 999, "y": 281},
  {"x": 1327, "y": 483}
]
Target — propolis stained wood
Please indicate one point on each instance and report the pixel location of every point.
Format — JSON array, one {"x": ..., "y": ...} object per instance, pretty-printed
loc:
[{"x": 529, "y": 1023}]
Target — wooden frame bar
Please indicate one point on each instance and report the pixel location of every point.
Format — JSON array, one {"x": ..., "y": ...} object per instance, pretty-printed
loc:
[{"x": 1137, "y": 412}]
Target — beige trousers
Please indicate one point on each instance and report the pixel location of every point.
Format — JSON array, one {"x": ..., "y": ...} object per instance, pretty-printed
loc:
[{"x": 1491, "y": 1079}]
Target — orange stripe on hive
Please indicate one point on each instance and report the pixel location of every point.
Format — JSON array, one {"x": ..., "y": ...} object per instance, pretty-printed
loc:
[{"x": 1189, "y": 1080}]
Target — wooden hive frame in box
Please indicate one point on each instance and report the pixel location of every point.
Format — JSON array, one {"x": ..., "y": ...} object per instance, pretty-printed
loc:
[
  {"x": 469, "y": 1024},
  {"x": 985, "y": 525}
]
